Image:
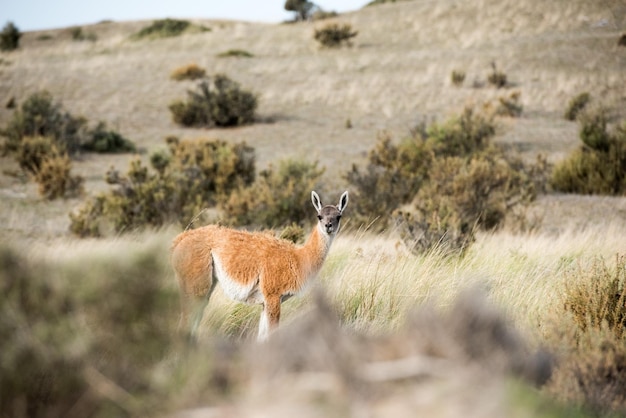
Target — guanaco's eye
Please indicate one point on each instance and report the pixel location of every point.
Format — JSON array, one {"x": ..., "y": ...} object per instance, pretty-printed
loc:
[
  {"x": 319, "y": 217},
  {"x": 338, "y": 217}
]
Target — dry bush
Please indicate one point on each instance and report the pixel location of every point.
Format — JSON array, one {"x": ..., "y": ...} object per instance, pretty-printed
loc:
[
  {"x": 510, "y": 106},
  {"x": 598, "y": 301},
  {"x": 56, "y": 180},
  {"x": 188, "y": 72},
  {"x": 592, "y": 367},
  {"x": 334, "y": 35},
  {"x": 220, "y": 102},
  {"x": 598, "y": 166},
  {"x": 496, "y": 77},
  {"x": 279, "y": 197},
  {"x": 193, "y": 176}
]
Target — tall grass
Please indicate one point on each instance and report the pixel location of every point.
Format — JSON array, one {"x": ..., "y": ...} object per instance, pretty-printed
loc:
[{"x": 110, "y": 320}]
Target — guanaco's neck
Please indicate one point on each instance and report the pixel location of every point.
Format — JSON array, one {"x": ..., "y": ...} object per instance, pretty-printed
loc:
[{"x": 313, "y": 253}]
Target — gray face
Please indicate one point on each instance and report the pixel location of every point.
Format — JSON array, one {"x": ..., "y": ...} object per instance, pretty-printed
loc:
[{"x": 329, "y": 218}]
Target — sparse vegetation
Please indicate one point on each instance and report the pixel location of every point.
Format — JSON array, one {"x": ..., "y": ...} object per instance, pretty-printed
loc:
[
  {"x": 334, "y": 35},
  {"x": 497, "y": 78},
  {"x": 577, "y": 105},
  {"x": 457, "y": 78},
  {"x": 78, "y": 34},
  {"x": 10, "y": 37},
  {"x": 510, "y": 105},
  {"x": 236, "y": 53},
  {"x": 163, "y": 28},
  {"x": 219, "y": 102},
  {"x": 188, "y": 72}
]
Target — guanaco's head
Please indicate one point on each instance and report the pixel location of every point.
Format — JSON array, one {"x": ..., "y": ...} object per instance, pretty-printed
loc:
[{"x": 329, "y": 216}]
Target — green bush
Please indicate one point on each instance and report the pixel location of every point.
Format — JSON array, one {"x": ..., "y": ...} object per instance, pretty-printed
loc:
[
  {"x": 464, "y": 195},
  {"x": 576, "y": 105},
  {"x": 163, "y": 28},
  {"x": 10, "y": 37},
  {"x": 39, "y": 115},
  {"x": 457, "y": 78},
  {"x": 188, "y": 72},
  {"x": 334, "y": 35},
  {"x": 301, "y": 8},
  {"x": 277, "y": 198},
  {"x": 237, "y": 53},
  {"x": 598, "y": 166},
  {"x": 443, "y": 183},
  {"x": 219, "y": 103},
  {"x": 193, "y": 176},
  {"x": 103, "y": 140}
]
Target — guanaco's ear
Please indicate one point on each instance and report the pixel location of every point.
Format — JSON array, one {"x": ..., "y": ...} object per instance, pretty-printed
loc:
[
  {"x": 343, "y": 201},
  {"x": 317, "y": 202}
]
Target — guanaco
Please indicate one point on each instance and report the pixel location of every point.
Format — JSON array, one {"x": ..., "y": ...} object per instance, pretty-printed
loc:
[{"x": 251, "y": 267}]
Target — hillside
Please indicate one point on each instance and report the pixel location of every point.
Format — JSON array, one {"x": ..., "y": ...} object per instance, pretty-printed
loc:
[{"x": 396, "y": 74}]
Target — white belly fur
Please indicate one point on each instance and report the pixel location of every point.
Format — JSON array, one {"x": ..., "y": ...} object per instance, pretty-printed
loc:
[{"x": 249, "y": 293}]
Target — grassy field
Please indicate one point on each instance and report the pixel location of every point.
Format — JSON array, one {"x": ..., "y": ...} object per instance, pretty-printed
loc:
[{"x": 88, "y": 327}]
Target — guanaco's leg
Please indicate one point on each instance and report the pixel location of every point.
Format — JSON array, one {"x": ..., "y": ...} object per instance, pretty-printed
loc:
[
  {"x": 269, "y": 317},
  {"x": 198, "y": 309}
]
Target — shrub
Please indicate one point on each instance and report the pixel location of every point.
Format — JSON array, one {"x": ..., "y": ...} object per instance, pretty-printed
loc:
[
  {"x": 510, "y": 105},
  {"x": 50, "y": 167},
  {"x": 592, "y": 370},
  {"x": 238, "y": 53},
  {"x": 443, "y": 183},
  {"x": 302, "y": 8},
  {"x": 463, "y": 195},
  {"x": 276, "y": 197},
  {"x": 622, "y": 40},
  {"x": 193, "y": 176},
  {"x": 497, "y": 78},
  {"x": 576, "y": 105},
  {"x": 599, "y": 165},
  {"x": 10, "y": 37},
  {"x": 78, "y": 34},
  {"x": 55, "y": 178},
  {"x": 39, "y": 115},
  {"x": 392, "y": 176},
  {"x": 334, "y": 35},
  {"x": 188, "y": 72},
  {"x": 103, "y": 140},
  {"x": 457, "y": 78},
  {"x": 219, "y": 103},
  {"x": 599, "y": 301},
  {"x": 163, "y": 28}
]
